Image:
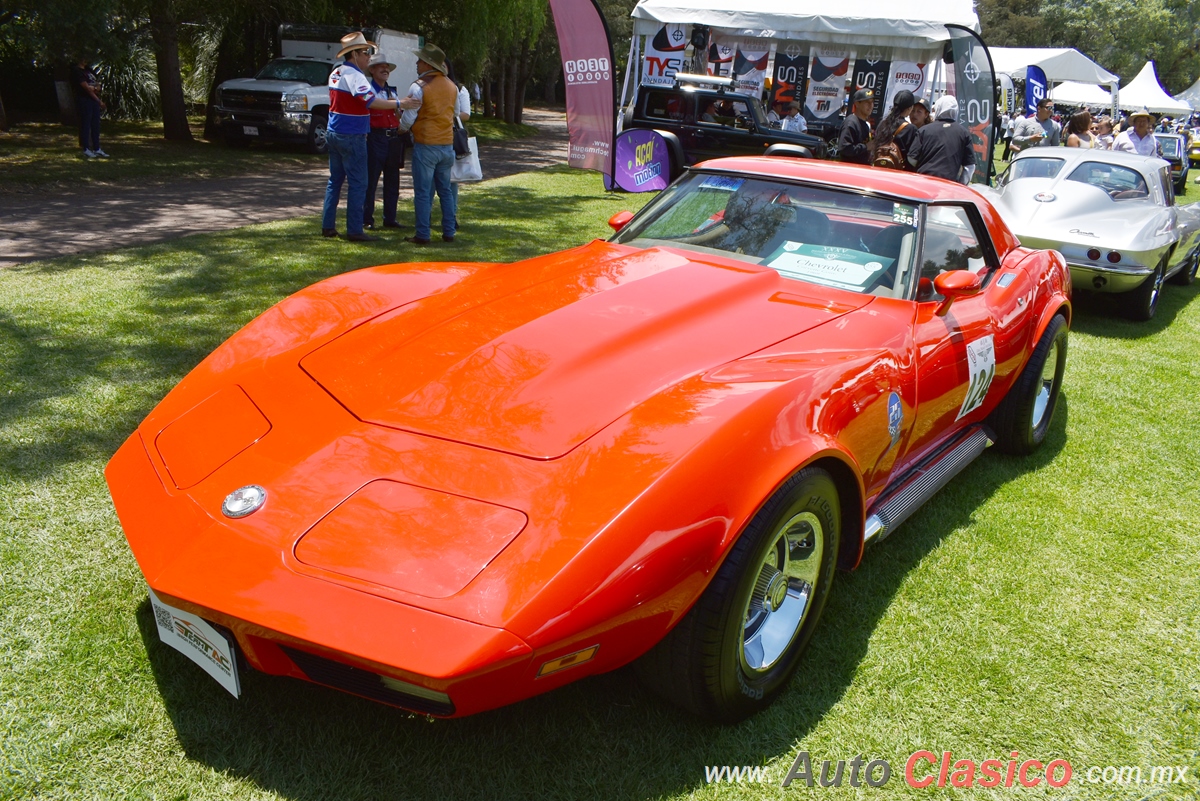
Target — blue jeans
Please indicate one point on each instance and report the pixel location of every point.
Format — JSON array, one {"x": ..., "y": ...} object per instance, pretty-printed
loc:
[
  {"x": 89, "y": 123},
  {"x": 347, "y": 163},
  {"x": 431, "y": 166}
]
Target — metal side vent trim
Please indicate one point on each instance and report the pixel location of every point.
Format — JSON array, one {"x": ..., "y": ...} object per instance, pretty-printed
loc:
[
  {"x": 922, "y": 483},
  {"x": 367, "y": 684}
]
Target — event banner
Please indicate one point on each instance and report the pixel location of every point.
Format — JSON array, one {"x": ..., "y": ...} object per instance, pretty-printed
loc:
[
  {"x": 664, "y": 56},
  {"x": 643, "y": 162},
  {"x": 872, "y": 72},
  {"x": 588, "y": 72},
  {"x": 750, "y": 67},
  {"x": 905, "y": 75},
  {"x": 1035, "y": 88},
  {"x": 720, "y": 58},
  {"x": 976, "y": 92},
  {"x": 791, "y": 74},
  {"x": 826, "y": 84}
]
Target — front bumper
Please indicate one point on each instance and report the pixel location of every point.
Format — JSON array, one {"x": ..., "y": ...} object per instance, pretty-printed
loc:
[
  {"x": 287, "y": 126},
  {"x": 294, "y": 625}
]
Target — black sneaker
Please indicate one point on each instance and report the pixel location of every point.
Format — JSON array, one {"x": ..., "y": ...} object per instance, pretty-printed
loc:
[
  {"x": 329, "y": 232},
  {"x": 447, "y": 238},
  {"x": 393, "y": 225},
  {"x": 416, "y": 241}
]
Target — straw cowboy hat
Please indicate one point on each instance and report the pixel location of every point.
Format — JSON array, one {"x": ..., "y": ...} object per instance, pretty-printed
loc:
[
  {"x": 380, "y": 58},
  {"x": 433, "y": 56},
  {"x": 354, "y": 41},
  {"x": 1145, "y": 112}
]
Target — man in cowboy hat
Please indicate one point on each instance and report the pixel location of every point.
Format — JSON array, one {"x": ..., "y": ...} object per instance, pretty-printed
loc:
[
  {"x": 385, "y": 147},
  {"x": 1140, "y": 139},
  {"x": 432, "y": 126},
  {"x": 350, "y": 97}
]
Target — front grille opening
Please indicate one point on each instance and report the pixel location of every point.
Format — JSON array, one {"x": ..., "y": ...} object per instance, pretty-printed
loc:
[{"x": 365, "y": 683}]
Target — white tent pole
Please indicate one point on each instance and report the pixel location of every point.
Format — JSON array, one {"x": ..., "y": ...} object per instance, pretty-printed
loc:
[{"x": 630, "y": 66}]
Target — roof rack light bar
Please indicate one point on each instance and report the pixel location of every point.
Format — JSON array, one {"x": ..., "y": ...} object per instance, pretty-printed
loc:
[{"x": 711, "y": 80}]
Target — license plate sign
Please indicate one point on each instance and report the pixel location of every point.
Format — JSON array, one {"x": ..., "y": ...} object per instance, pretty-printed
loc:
[
  {"x": 198, "y": 641},
  {"x": 250, "y": 130}
]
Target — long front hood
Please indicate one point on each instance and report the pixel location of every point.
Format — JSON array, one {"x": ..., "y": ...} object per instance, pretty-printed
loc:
[{"x": 536, "y": 357}]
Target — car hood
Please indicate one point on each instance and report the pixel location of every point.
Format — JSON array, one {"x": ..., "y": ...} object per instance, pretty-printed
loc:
[
  {"x": 535, "y": 357},
  {"x": 1073, "y": 212},
  {"x": 252, "y": 84}
]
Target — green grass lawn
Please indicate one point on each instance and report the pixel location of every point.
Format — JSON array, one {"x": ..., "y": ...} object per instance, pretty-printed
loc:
[
  {"x": 1048, "y": 605},
  {"x": 41, "y": 155}
]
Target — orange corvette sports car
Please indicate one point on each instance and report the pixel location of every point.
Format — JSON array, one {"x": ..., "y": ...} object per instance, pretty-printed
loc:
[{"x": 448, "y": 487}]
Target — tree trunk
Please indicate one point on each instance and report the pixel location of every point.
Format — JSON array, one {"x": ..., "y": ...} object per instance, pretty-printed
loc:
[
  {"x": 527, "y": 57},
  {"x": 485, "y": 94},
  {"x": 3, "y": 116},
  {"x": 513, "y": 74},
  {"x": 502, "y": 87},
  {"x": 165, "y": 32}
]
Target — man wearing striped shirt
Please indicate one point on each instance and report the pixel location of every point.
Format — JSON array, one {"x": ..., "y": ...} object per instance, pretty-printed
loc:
[{"x": 350, "y": 97}]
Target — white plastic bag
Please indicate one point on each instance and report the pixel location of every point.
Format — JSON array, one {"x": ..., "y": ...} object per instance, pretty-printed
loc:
[{"x": 467, "y": 170}]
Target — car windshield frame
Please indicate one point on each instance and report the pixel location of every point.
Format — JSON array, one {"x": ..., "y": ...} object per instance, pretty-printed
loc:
[
  {"x": 883, "y": 267},
  {"x": 304, "y": 71},
  {"x": 1022, "y": 168}
]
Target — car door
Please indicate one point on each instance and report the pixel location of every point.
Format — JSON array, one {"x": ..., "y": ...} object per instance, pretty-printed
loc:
[
  {"x": 724, "y": 135},
  {"x": 959, "y": 350}
]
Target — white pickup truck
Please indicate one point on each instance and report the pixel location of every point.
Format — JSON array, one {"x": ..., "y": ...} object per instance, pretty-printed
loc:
[{"x": 288, "y": 100}]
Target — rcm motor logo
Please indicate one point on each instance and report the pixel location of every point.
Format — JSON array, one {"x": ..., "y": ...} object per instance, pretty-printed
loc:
[{"x": 586, "y": 70}]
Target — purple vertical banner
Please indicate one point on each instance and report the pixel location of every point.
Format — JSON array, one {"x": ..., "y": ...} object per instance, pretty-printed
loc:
[
  {"x": 643, "y": 163},
  {"x": 588, "y": 72}
]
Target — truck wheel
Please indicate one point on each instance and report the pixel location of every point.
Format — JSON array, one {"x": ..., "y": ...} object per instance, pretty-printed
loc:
[{"x": 316, "y": 134}]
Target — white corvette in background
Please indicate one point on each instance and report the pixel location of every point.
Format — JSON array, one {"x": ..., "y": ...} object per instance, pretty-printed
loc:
[{"x": 1113, "y": 216}]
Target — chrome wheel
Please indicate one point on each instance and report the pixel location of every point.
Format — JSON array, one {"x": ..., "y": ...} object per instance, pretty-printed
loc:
[
  {"x": 1155, "y": 291},
  {"x": 1049, "y": 373},
  {"x": 782, "y": 594}
]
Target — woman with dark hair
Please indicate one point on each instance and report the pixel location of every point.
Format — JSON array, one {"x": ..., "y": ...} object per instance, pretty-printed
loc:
[
  {"x": 1079, "y": 133},
  {"x": 895, "y": 133}
]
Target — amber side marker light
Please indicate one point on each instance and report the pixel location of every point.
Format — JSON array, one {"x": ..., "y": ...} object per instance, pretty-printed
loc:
[{"x": 568, "y": 661}]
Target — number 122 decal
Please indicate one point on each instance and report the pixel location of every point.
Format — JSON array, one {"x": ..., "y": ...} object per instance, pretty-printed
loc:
[{"x": 981, "y": 362}]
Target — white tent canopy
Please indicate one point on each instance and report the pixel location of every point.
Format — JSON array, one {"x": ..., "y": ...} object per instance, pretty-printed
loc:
[
  {"x": 1059, "y": 64},
  {"x": 908, "y": 24},
  {"x": 1191, "y": 95},
  {"x": 1072, "y": 93},
  {"x": 1144, "y": 91}
]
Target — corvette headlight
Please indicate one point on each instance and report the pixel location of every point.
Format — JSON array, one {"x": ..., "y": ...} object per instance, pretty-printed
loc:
[{"x": 296, "y": 102}]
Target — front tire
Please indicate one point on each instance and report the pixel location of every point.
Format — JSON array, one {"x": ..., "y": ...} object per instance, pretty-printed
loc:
[
  {"x": 316, "y": 134},
  {"x": 1188, "y": 274},
  {"x": 735, "y": 651},
  {"x": 1022, "y": 419}
]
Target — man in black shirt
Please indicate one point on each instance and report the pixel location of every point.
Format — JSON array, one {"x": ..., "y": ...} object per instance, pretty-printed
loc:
[
  {"x": 943, "y": 147},
  {"x": 856, "y": 131},
  {"x": 89, "y": 105}
]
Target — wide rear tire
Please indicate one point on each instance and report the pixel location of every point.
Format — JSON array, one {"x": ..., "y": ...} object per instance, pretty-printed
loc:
[
  {"x": 1022, "y": 419},
  {"x": 735, "y": 651},
  {"x": 1143, "y": 301}
]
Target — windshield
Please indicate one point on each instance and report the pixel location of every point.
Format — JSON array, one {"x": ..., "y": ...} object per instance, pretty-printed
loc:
[
  {"x": 314, "y": 73},
  {"x": 1169, "y": 145},
  {"x": 1033, "y": 168},
  {"x": 806, "y": 233}
]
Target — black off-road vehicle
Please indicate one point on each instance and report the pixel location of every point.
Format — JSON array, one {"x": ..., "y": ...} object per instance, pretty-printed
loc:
[{"x": 701, "y": 122}]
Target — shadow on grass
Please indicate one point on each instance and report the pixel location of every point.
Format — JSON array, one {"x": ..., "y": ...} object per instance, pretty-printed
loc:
[
  {"x": 604, "y": 737},
  {"x": 1102, "y": 314},
  {"x": 193, "y": 293}
]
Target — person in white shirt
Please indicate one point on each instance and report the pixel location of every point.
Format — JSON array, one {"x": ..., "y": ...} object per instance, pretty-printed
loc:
[
  {"x": 1140, "y": 139},
  {"x": 462, "y": 111},
  {"x": 794, "y": 121}
]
